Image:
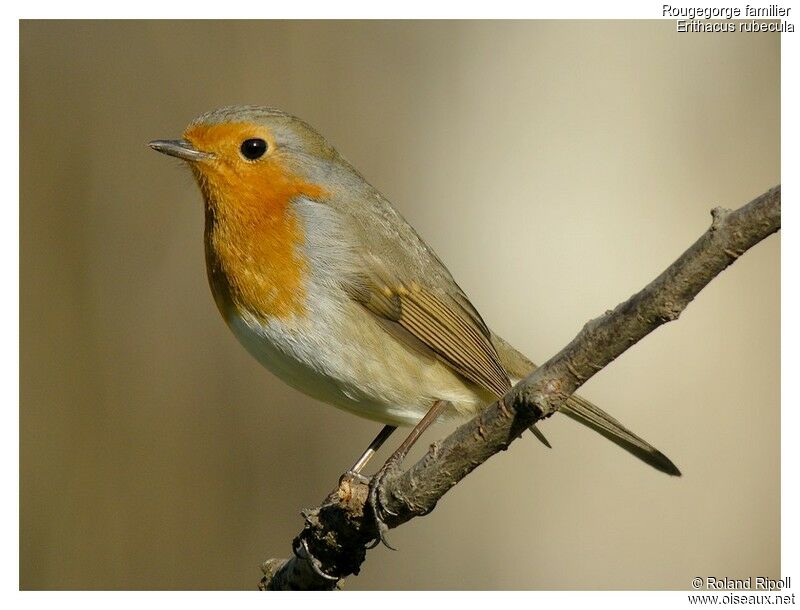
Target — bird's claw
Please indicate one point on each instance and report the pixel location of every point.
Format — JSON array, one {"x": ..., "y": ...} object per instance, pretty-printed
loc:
[{"x": 377, "y": 504}]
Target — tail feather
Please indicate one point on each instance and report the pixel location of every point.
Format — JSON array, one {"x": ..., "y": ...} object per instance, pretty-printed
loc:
[
  {"x": 584, "y": 412},
  {"x": 601, "y": 422},
  {"x": 539, "y": 435}
]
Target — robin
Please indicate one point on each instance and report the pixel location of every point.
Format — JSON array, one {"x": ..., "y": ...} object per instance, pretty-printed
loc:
[{"x": 325, "y": 284}]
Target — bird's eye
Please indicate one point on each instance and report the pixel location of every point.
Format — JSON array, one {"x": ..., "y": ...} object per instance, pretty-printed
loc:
[{"x": 253, "y": 148}]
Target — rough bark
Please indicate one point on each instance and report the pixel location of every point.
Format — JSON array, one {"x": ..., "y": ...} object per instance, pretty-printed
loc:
[{"x": 337, "y": 534}]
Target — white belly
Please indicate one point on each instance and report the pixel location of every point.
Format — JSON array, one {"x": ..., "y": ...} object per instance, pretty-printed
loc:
[{"x": 356, "y": 366}]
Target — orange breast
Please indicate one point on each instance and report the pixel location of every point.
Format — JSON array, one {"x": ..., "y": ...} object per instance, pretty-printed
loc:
[{"x": 253, "y": 237}]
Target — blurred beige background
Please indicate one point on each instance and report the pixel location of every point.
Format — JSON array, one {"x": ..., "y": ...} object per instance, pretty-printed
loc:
[{"x": 556, "y": 167}]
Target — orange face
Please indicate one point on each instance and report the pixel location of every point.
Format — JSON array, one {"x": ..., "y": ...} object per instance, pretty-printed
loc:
[{"x": 253, "y": 236}]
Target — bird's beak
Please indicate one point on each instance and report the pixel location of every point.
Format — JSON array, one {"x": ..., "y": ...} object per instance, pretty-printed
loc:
[{"x": 181, "y": 149}]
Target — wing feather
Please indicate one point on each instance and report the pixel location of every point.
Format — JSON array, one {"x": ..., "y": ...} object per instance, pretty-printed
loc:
[{"x": 457, "y": 336}]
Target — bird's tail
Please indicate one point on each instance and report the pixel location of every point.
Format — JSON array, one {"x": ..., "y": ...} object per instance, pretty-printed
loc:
[
  {"x": 601, "y": 422},
  {"x": 581, "y": 410}
]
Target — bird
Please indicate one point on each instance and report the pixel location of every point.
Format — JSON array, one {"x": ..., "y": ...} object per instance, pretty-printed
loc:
[{"x": 322, "y": 280}]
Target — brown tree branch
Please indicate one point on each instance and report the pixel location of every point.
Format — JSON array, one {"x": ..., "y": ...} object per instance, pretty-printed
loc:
[{"x": 337, "y": 534}]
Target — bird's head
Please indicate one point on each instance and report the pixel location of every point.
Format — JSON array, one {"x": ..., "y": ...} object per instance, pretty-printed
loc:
[
  {"x": 260, "y": 170},
  {"x": 252, "y": 159}
]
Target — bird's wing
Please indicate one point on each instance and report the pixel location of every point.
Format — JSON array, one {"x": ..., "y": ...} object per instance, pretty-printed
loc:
[
  {"x": 433, "y": 322},
  {"x": 399, "y": 279}
]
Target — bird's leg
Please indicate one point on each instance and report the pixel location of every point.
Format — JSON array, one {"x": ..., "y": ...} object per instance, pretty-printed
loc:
[
  {"x": 376, "y": 486},
  {"x": 355, "y": 470}
]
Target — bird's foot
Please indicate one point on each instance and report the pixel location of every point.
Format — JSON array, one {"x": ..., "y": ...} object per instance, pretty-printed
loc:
[
  {"x": 352, "y": 475},
  {"x": 347, "y": 488},
  {"x": 376, "y": 500}
]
